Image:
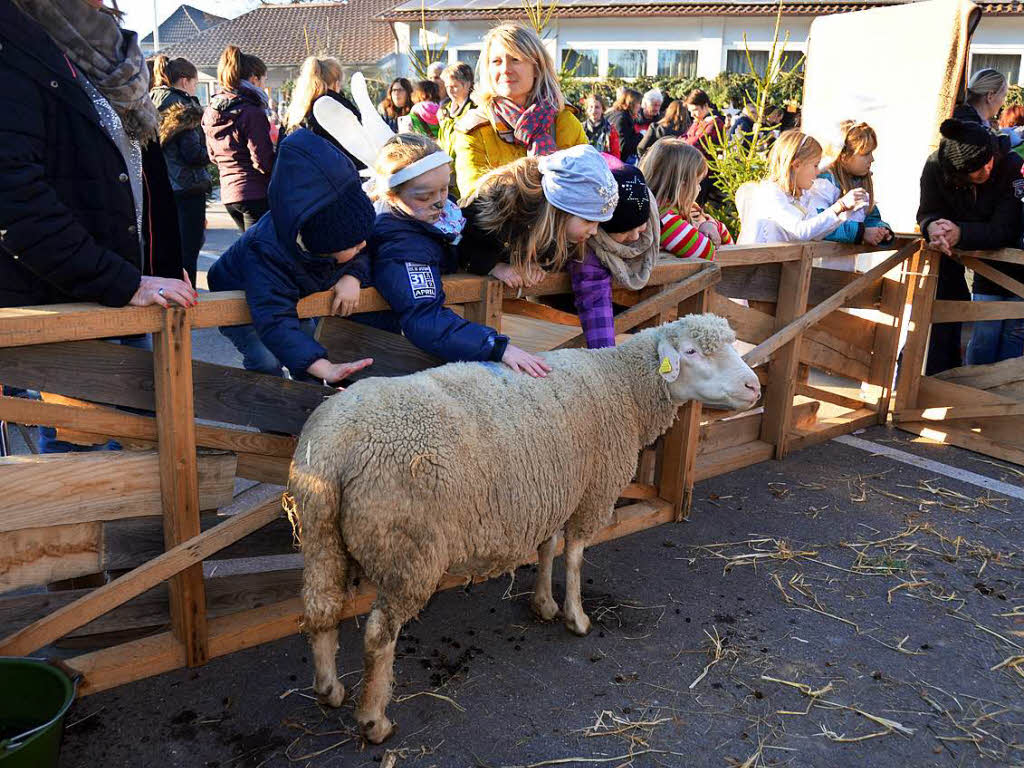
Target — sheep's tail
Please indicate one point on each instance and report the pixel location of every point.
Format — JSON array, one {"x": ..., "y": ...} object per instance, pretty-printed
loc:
[{"x": 313, "y": 505}]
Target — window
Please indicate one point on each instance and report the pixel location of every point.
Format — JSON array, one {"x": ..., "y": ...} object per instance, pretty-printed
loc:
[
  {"x": 469, "y": 56},
  {"x": 1008, "y": 64},
  {"x": 626, "y": 62},
  {"x": 203, "y": 93},
  {"x": 677, "y": 63},
  {"x": 579, "y": 63},
  {"x": 736, "y": 61}
]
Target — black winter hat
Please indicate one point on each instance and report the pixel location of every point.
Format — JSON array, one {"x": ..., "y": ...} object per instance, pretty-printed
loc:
[
  {"x": 342, "y": 224},
  {"x": 965, "y": 146},
  {"x": 634, "y": 206}
]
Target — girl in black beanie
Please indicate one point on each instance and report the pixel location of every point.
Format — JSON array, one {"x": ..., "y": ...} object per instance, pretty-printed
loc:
[{"x": 971, "y": 200}]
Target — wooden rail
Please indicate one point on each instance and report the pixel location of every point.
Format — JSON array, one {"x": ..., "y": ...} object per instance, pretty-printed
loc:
[{"x": 199, "y": 406}]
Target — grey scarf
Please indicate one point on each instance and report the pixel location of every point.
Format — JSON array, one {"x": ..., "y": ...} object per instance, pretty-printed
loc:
[
  {"x": 630, "y": 264},
  {"x": 106, "y": 54}
]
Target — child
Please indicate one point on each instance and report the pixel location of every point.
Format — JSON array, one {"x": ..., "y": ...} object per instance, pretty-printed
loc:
[
  {"x": 624, "y": 247},
  {"x": 423, "y": 119},
  {"x": 779, "y": 208},
  {"x": 308, "y": 242},
  {"x": 851, "y": 169},
  {"x": 534, "y": 214},
  {"x": 600, "y": 134},
  {"x": 674, "y": 171},
  {"x": 412, "y": 246}
]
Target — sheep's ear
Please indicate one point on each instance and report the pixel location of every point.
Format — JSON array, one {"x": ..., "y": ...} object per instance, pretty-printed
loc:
[{"x": 668, "y": 357}]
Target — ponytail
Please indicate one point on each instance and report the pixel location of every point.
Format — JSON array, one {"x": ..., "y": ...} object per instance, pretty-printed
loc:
[
  {"x": 159, "y": 77},
  {"x": 315, "y": 79},
  {"x": 229, "y": 68}
]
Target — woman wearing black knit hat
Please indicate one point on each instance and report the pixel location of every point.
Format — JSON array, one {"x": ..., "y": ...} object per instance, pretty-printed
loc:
[{"x": 970, "y": 199}]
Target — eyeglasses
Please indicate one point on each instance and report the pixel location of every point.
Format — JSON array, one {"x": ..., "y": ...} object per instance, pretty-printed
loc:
[{"x": 398, "y": 90}]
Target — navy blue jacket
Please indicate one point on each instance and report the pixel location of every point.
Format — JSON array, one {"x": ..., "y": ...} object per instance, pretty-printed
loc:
[
  {"x": 409, "y": 257},
  {"x": 267, "y": 263}
]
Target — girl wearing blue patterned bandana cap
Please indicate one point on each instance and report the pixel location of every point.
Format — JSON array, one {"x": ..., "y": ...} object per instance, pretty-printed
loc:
[{"x": 412, "y": 245}]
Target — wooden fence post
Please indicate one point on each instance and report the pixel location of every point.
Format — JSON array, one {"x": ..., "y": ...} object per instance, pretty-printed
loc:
[
  {"x": 794, "y": 285},
  {"x": 924, "y": 271},
  {"x": 487, "y": 311},
  {"x": 179, "y": 487},
  {"x": 680, "y": 443},
  {"x": 887, "y": 337}
]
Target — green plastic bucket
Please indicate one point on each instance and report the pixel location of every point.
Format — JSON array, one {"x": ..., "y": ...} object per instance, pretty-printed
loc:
[{"x": 34, "y": 697}]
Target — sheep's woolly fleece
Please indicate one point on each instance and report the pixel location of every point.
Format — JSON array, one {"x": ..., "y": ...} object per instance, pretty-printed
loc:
[{"x": 709, "y": 332}]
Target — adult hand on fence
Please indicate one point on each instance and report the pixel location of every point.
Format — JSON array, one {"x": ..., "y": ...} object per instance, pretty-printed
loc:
[
  {"x": 520, "y": 360},
  {"x": 875, "y": 235},
  {"x": 334, "y": 372},
  {"x": 346, "y": 296},
  {"x": 161, "y": 290},
  {"x": 944, "y": 235}
]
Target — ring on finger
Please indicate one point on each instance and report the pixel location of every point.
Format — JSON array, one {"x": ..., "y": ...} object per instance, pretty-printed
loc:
[{"x": 160, "y": 292}]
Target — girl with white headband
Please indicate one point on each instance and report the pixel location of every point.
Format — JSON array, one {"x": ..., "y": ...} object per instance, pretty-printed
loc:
[
  {"x": 412, "y": 245},
  {"x": 779, "y": 209}
]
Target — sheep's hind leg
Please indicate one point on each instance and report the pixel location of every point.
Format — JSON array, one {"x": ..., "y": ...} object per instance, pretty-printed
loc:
[
  {"x": 576, "y": 620},
  {"x": 324, "y": 587},
  {"x": 378, "y": 672},
  {"x": 544, "y": 604}
]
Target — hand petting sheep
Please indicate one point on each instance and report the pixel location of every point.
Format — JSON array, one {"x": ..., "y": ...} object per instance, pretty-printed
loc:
[{"x": 403, "y": 479}]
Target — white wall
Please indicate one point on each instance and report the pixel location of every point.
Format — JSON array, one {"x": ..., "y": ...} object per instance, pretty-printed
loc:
[{"x": 711, "y": 37}]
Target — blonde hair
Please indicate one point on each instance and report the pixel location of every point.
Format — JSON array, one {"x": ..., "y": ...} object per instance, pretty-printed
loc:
[
  {"x": 523, "y": 42},
  {"x": 315, "y": 79},
  {"x": 790, "y": 148},
  {"x": 510, "y": 204},
  {"x": 235, "y": 66},
  {"x": 401, "y": 150},
  {"x": 674, "y": 171},
  {"x": 857, "y": 139},
  {"x": 983, "y": 82}
]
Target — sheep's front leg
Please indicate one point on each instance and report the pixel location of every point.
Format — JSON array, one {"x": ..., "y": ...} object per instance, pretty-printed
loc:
[
  {"x": 378, "y": 675},
  {"x": 544, "y": 604},
  {"x": 575, "y": 619}
]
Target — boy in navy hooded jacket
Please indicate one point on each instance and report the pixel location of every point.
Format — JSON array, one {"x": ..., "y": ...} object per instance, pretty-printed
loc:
[{"x": 311, "y": 240}]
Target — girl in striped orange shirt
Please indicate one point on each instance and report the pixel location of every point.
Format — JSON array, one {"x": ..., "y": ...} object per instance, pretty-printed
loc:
[{"x": 674, "y": 171}]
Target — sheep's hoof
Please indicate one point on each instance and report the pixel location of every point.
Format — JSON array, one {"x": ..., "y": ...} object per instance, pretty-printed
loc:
[
  {"x": 578, "y": 625},
  {"x": 376, "y": 731},
  {"x": 545, "y": 610},
  {"x": 333, "y": 696}
]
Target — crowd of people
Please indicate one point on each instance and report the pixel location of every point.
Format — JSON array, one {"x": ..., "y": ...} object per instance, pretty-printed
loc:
[{"x": 496, "y": 175}]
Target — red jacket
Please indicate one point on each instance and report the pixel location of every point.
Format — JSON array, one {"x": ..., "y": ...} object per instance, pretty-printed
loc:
[
  {"x": 238, "y": 140},
  {"x": 712, "y": 126}
]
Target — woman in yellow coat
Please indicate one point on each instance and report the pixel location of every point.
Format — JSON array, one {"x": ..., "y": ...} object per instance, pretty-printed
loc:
[{"x": 520, "y": 109}]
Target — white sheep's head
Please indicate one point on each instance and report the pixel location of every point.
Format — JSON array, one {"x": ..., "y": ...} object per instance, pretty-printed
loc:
[{"x": 697, "y": 360}]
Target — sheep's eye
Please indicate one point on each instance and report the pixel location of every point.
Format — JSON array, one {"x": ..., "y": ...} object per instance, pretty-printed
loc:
[{"x": 691, "y": 351}]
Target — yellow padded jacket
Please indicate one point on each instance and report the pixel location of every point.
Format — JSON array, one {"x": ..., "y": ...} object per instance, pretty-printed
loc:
[{"x": 478, "y": 148}]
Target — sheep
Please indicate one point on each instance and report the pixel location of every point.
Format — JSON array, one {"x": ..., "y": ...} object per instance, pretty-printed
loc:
[{"x": 470, "y": 468}]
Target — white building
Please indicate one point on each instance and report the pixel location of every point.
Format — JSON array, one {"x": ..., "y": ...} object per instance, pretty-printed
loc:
[{"x": 685, "y": 38}]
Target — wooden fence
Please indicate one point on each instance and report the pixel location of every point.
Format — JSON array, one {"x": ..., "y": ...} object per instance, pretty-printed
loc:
[
  {"x": 148, "y": 517},
  {"x": 979, "y": 407}
]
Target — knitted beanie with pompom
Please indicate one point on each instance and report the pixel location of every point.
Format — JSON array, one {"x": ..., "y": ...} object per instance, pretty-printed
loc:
[{"x": 965, "y": 146}]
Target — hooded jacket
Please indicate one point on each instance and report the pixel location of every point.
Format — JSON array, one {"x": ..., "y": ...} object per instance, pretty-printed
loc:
[
  {"x": 266, "y": 261},
  {"x": 68, "y": 230},
  {"x": 185, "y": 148},
  {"x": 238, "y": 140},
  {"x": 409, "y": 257}
]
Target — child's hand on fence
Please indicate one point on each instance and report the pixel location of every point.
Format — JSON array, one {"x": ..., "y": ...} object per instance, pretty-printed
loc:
[
  {"x": 875, "y": 235},
  {"x": 333, "y": 372},
  {"x": 161, "y": 290},
  {"x": 520, "y": 360},
  {"x": 346, "y": 296},
  {"x": 709, "y": 230},
  {"x": 534, "y": 275},
  {"x": 507, "y": 274}
]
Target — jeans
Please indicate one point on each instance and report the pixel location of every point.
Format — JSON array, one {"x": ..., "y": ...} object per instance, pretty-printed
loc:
[
  {"x": 247, "y": 212},
  {"x": 256, "y": 356},
  {"x": 192, "y": 228},
  {"x": 995, "y": 340}
]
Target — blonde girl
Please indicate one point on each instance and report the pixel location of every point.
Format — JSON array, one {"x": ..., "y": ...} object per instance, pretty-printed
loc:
[
  {"x": 413, "y": 245},
  {"x": 674, "y": 170},
  {"x": 521, "y": 111},
  {"x": 317, "y": 78},
  {"x": 779, "y": 209},
  {"x": 534, "y": 215},
  {"x": 851, "y": 169}
]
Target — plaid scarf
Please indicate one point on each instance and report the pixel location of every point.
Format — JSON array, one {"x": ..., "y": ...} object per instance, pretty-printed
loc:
[{"x": 532, "y": 127}]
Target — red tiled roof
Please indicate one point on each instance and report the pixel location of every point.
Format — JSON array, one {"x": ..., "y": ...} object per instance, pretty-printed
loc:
[
  {"x": 650, "y": 9},
  {"x": 286, "y": 34}
]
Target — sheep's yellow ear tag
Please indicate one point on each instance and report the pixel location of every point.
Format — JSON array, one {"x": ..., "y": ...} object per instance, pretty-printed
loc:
[
  {"x": 669, "y": 367},
  {"x": 666, "y": 366}
]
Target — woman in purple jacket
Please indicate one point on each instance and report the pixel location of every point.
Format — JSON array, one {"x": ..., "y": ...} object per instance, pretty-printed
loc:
[{"x": 238, "y": 136}]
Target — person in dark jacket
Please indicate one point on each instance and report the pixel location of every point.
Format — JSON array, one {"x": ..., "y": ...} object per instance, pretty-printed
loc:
[
  {"x": 622, "y": 116},
  {"x": 238, "y": 136},
  {"x": 86, "y": 211},
  {"x": 986, "y": 94},
  {"x": 675, "y": 122},
  {"x": 181, "y": 137},
  {"x": 310, "y": 241},
  {"x": 970, "y": 199}
]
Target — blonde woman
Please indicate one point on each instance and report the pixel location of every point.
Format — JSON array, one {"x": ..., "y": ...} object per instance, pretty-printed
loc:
[
  {"x": 674, "y": 172},
  {"x": 520, "y": 112},
  {"x": 779, "y": 210},
  {"x": 986, "y": 94}
]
